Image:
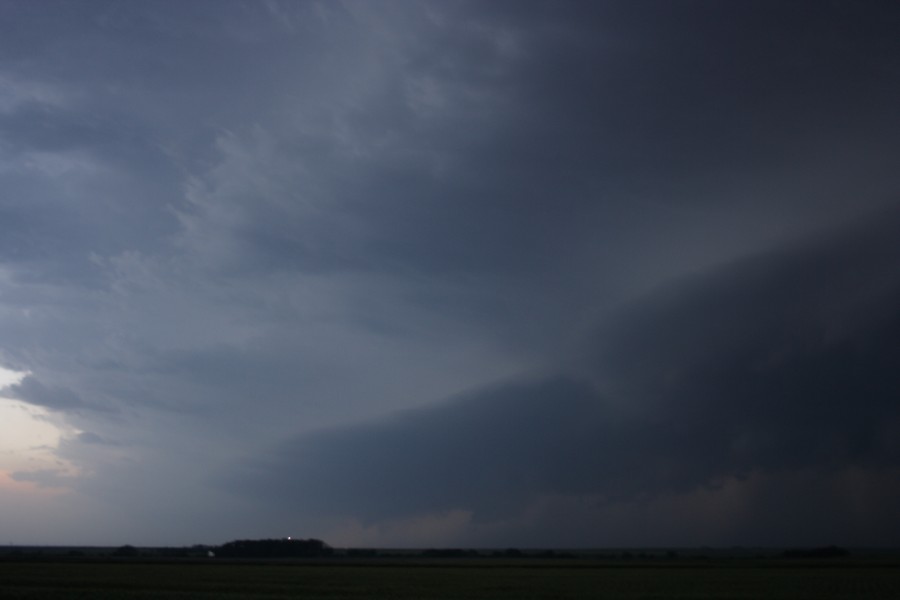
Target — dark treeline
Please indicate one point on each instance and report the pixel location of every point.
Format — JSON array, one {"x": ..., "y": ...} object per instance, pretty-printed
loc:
[
  {"x": 286, "y": 548},
  {"x": 274, "y": 548}
]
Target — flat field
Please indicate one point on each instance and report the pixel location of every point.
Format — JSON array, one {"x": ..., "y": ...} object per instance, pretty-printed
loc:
[{"x": 63, "y": 580}]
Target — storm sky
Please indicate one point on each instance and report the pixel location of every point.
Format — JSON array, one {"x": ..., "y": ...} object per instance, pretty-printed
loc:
[{"x": 422, "y": 274}]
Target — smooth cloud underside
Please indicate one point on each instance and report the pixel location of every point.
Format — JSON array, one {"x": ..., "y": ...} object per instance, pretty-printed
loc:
[
  {"x": 784, "y": 363},
  {"x": 55, "y": 398}
]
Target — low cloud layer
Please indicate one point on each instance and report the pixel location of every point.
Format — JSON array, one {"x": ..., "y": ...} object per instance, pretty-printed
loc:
[{"x": 784, "y": 363}]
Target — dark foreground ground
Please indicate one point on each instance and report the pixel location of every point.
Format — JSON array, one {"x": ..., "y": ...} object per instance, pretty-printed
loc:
[{"x": 523, "y": 579}]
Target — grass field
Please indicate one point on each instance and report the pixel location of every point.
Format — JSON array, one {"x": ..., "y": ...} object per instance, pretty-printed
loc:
[{"x": 132, "y": 580}]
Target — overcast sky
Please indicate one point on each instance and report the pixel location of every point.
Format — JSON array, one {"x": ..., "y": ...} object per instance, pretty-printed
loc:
[{"x": 397, "y": 273}]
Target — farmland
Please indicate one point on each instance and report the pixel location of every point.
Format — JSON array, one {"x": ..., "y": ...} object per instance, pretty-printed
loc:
[{"x": 443, "y": 580}]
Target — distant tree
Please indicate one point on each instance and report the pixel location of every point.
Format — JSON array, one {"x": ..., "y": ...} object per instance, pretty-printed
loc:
[{"x": 126, "y": 551}]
